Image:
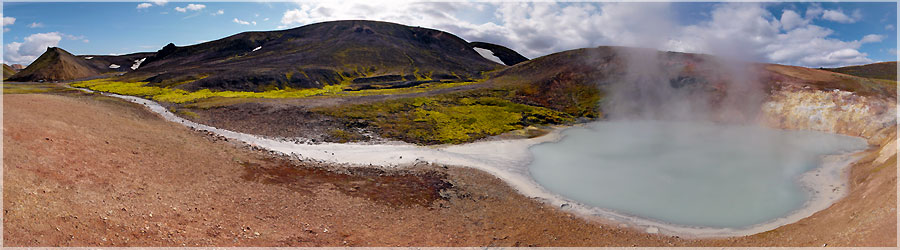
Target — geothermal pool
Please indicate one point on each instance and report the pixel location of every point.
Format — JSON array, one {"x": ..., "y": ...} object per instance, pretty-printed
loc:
[
  {"x": 688, "y": 179},
  {"x": 688, "y": 174}
]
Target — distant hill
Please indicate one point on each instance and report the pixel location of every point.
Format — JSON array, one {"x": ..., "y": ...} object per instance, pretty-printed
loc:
[
  {"x": 315, "y": 55},
  {"x": 882, "y": 70},
  {"x": 8, "y": 71},
  {"x": 17, "y": 66},
  {"x": 508, "y": 56},
  {"x": 56, "y": 64}
]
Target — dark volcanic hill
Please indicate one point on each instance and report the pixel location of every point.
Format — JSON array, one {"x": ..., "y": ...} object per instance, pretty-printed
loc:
[
  {"x": 8, "y": 71},
  {"x": 56, "y": 65},
  {"x": 316, "y": 55},
  {"x": 882, "y": 70},
  {"x": 508, "y": 56}
]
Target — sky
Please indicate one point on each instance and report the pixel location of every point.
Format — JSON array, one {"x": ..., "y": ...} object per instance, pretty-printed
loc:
[{"x": 828, "y": 34}]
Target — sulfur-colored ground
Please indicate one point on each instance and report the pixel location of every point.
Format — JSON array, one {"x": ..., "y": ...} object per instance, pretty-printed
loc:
[{"x": 83, "y": 170}]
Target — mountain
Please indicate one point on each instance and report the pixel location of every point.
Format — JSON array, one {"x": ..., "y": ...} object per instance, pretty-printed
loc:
[
  {"x": 56, "y": 64},
  {"x": 8, "y": 71},
  {"x": 17, "y": 66},
  {"x": 508, "y": 56},
  {"x": 882, "y": 70},
  {"x": 316, "y": 55},
  {"x": 568, "y": 81}
]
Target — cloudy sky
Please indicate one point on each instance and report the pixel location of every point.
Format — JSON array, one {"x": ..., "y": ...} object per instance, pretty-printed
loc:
[{"x": 807, "y": 34}]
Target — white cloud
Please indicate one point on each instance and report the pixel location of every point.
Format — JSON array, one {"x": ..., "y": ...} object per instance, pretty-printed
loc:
[
  {"x": 195, "y": 7},
  {"x": 33, "y": 46},
  {"x": 748, "y": 30},
  {"x": 839, "y": 16},
  {"x": 790, "y": 20},
  {"x": 73, "y": 37},
  {"x": 192, "y": 7},
  {"x": 219, "y": 12},
  {"x": 35, "y": 25},
  {"x": 159, "y": 2},
  {"x": 239, "y": 21},
  {"x": 8, "y": 20},
  {"x": 144, "y": 5},
  {"x": 751, "y": 36},
  {"x": 889, "y": 27},
  {"x": 893, "y": 52},
  {"x": 872, "y": 38},
  {"x": 814, "y": 11}
]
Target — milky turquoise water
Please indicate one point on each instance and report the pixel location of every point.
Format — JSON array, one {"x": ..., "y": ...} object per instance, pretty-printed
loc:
[{"x": 690, "y": 174}]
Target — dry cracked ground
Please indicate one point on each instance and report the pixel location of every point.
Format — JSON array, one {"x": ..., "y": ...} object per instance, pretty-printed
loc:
[{"x": 87, "y": 170}]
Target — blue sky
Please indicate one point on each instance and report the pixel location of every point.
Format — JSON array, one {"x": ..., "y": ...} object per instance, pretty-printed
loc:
[{"x": 806, "y": 34}]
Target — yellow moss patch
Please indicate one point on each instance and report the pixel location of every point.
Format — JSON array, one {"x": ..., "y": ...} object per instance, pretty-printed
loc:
[
  {"x": 183, "y": 96},
  {"x": 446, "y": 118},
  {"x": 172, "y": 95}
]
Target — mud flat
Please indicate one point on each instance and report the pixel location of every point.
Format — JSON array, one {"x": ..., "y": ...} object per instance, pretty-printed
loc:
[{"x": 509, "y": 159}]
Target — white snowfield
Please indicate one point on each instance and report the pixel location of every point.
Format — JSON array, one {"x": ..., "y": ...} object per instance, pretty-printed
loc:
[
  {"x": 489, "y": 55},
  {"x": 88, "y": 57},
  {"x": 114, "y": 66},
  {"x": 257, "y": 48},
  {"x": 137, "y": 63}
]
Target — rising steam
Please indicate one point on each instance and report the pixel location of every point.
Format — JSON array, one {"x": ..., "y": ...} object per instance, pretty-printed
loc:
[{"x": 659, "y": 85}]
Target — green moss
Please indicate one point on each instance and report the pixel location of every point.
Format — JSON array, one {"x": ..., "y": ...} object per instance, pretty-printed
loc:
[
  {"x": 165, "y": 94},
  {"x": 451, "y": 118},
  {"x": 184, "y": 113},
  {"x": 288, "y": 75},
  {"x": 183, "y": 96},
  {"x": 30, "y": 88},
  {"x": 463, "y": 123},
  {"x": 343, "y": 136}
]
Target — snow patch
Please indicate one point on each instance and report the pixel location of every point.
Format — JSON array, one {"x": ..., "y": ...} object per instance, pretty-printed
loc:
[
  {"x": 137, "y": 63},
  {"x": 489, "y": 55},
  {"x": 114, "y": 66},
  {"x": 257, "y": 48},
  {"x": 88, "y": 58}
]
